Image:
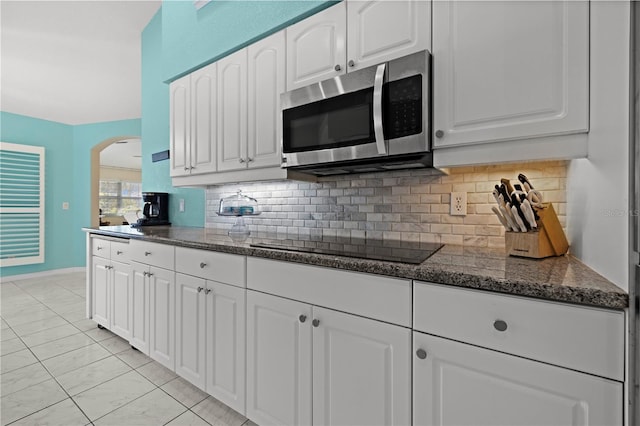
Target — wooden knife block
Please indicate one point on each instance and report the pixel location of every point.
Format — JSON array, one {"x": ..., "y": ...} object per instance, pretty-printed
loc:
[{"x": 548, "y": 240}]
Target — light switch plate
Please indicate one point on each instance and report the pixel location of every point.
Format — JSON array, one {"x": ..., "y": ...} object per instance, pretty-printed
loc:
[{"x": 182, "y": 204}]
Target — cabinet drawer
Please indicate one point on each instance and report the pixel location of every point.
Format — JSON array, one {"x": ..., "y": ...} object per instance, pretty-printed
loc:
[
  {"x": 161, "y": 255},
  {"x": 221, "y": 267},
  {"x": 576, "y": 337},
  {"x": 120, "y": 251},
  {"x": 101, "y": 247},
  {"x": 373, "y": 296}
]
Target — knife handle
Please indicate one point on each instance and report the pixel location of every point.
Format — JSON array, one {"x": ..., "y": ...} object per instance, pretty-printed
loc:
[
  {"x": 528, "y": 213},
  {"x": 501, "y": 218},
  {"x": 506, "y": 212},
  {"x": 519, "y": 221},
  {"x": 522, "y": 178},
  {"x": 507, "y": 185},
  {"x": 515, "y": 202}
]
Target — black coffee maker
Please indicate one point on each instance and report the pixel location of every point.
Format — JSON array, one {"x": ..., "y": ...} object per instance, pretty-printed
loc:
[{"x": 155, "y": 210}]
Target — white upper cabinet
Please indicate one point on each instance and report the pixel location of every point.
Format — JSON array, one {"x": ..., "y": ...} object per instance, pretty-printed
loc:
[
  {"x": 381, "y": 30},
  {"x": 316, "y": 47},
  {"x": 509, "y": 70},
  {"x": 193, "y": 122},
  {"x": 203, "y": 120},
  {"x": 266, "y": 60},
  {"x": 232, "y": 111},
  {"x": 179, "y": 125},
  {"x": 353, "y": 35}
]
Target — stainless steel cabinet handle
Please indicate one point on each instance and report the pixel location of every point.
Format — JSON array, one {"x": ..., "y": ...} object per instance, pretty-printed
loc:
[
  {"x": 207, "y": 291},
  {"x": 377, "y": 109},
  {"x": 202, "y": 265},
  {"x": 200, "y": 289},
  {"x": 302, "y": 318},
  {"x": 99, "y": 248},
  {"x": 150, "y": 274},
  {"x": 351, "y": 63},
  {"x": 500, "y": 325},
  {"x": 118, "y": 252},
  {"x": 337, "y": 68},
  {"x": 439, "y": 134},
  {"x": 147, "y": 253},
  {"x": 249, "y": 159},
  {"x": 186, "y": 169},
  {"x": 421, "y": 353},
  {"x": 145, "y": 273},
  {"x": 241, "y": 160},
  {"x": 315, "y": 322}
]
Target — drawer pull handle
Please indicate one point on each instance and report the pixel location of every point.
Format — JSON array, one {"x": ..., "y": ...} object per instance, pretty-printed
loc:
[
  {"x": 302, "y": 318},
  {"x": 147, "y": 253},
  {"x": 118, "y": 252},
  {"x": 99, "y": 248},
  {"x": 207, "y": 291},
  {"x": 202, "y": 265},
  {"x": 145, "y": 273},
  {"x": 150, "y": 274},
  {"x": 421, "y": 353},
  {"x": 315, "y": 322},
  {"x": 500, "y": 325},
  {"x": 200, "y": 289}
]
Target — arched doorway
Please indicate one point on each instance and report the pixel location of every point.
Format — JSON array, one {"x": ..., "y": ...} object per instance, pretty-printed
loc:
[{"x": 95, "y": 174}]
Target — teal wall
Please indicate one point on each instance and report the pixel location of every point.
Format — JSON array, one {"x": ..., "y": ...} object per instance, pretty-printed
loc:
[
  {"x": 192, "y": 38},
  {"x": 67, "y": 178},
  {"x": 57, "y": 140},
  {"x": 155, "y": 132}
]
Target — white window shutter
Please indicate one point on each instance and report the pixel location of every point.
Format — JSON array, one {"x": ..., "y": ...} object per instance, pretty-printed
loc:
[{"x": 21, "y": 204}]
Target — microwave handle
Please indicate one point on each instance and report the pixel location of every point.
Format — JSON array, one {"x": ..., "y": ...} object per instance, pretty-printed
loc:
[{"x": 377, "y": 109}]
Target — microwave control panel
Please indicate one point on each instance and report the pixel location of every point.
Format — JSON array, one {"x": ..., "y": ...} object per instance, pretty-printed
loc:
[{"x": 403, "y": 115}]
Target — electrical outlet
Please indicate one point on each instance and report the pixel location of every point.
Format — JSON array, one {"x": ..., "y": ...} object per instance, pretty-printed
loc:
[
  {"x": 65, "y": 205},
  {"x": 458, "y": 204}
]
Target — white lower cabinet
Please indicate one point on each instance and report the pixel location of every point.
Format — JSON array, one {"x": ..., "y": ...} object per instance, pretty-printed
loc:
[
  {"x": 111, "y": 282},
  {"x": 162, "y": 316},
  {"x": 152, "y": 298},
  {"x": 210, "y": 338},
  {"x": 459, "y": 384},
  {"x": 310, "y": 365},
  {"x": 278, "y": 360},
  {"x": 139, "y": 297}
]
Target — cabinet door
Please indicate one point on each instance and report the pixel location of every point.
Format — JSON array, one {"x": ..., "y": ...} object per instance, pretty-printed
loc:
[
  {"x": 101, "y": 276},
  {"x": 316, "y": 47},
  {"x": 361, "y": 371},
  {"x": 232, "y": 111},
  {"x": 381, "y": 30},
  {"x": 278, "y": 360},
  {"x": 203, "y": 120},
  {"x": 179, "y": 126},
  {"x": 266, "y": 83},
  {"x": 225, "y": 330},
  {"x": 459, "y": 384},
  {"x": 162, "y": 316},
  {"x": 509, "y": 70},
  {"x": 190, "y": 327},
  {"x": 120, "y": 302},
  {"x": 139, "y": 297}
]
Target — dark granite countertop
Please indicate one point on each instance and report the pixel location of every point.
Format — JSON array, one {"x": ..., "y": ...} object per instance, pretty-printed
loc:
[{"x": 563, "y": 279}]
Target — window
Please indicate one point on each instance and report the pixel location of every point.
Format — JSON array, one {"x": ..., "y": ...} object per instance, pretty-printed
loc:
[
  {"x": 118, "y": 197},
  {"x": 21, "y": 204}
]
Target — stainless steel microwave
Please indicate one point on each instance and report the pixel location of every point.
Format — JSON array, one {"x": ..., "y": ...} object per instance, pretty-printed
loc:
[{"x": 377, "y": 118}]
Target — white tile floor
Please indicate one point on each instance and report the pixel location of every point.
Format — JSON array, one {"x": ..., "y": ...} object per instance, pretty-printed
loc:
[{"x": 58, "y": 368}]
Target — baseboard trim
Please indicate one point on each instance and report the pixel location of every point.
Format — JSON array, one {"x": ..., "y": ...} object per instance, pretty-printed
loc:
[{"x": 42, "y": 274}]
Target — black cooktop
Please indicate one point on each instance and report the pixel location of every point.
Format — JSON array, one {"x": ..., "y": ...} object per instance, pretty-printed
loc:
[{"x": 386, "y": 250}]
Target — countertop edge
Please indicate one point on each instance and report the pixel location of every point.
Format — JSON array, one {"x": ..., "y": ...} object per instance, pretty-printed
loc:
[{"x": 543, "y": 291}]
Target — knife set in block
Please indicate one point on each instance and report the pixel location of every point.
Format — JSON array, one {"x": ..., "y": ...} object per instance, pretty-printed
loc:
[{"x": 548, "y": 240}]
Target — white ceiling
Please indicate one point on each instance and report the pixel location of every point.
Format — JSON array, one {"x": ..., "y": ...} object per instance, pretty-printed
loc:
[
  {"x": 125, "y": 154},
  {"x": 73, "y": 62}
]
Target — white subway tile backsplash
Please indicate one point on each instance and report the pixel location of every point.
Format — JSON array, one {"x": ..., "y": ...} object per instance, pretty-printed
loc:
[{"x": 407, "y": 205}]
